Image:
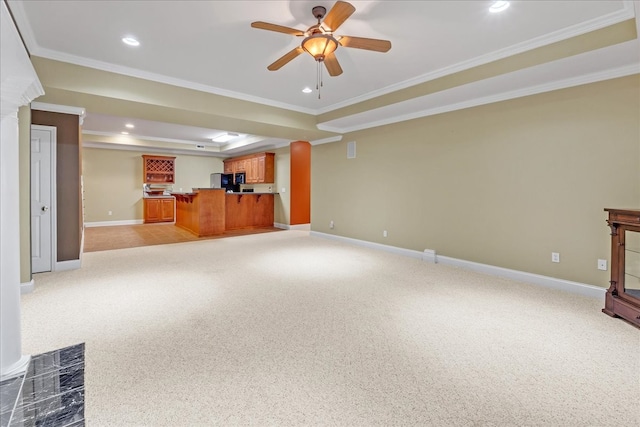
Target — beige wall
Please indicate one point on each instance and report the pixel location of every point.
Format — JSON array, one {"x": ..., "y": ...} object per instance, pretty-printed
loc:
[
  {"x": 504, "y": 184},
  {"x": 113, "y": 181},
  {"x": 282, "y": 204}
]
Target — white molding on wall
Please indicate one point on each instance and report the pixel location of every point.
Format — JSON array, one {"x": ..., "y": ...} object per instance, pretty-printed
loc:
[
  {"x": 111, "y": 223},
  {"x": 498, "y": 97},
  {"x": 27, "y": 287},
  {"x": 55, "y": 108},
  {"x": 378, "y": 246},
  {"x": 73, "y": 264},
  {"x": 302, "y": 227},
  {"x": 298, "y": 227},
  {"x": 521, "y": 276},
  {"x": 625, "y": 13}
]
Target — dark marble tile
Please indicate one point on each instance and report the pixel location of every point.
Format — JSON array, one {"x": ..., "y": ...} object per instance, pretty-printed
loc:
[
  {"x": 57, "y": 411},
  {"x": 56, "y": 359},
  {"x": 52, "y": 383},
  {"x": 9, "y": 391},
  {"x": 4, "y": 418},
  {"x": 51, "y": 393}
]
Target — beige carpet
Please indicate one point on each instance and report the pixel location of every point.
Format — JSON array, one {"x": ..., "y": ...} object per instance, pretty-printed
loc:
[{"x": 284, "y": 329}]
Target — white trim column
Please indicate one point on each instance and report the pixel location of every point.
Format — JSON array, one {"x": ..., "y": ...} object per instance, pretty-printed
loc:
[{"x": 20, "y": 85}]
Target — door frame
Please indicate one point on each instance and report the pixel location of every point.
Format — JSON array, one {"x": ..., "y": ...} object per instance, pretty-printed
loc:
[{"x": 54, "y": 200}]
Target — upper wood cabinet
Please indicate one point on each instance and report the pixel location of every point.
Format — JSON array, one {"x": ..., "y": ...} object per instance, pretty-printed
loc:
[
  {"x": 258, "y": 168},
  {"x": 158, "y": 169}
]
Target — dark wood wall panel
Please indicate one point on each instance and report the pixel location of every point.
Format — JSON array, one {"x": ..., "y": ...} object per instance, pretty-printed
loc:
[
  {"x": 69, "y": 223},
  {"x": 300, "y": 182}
]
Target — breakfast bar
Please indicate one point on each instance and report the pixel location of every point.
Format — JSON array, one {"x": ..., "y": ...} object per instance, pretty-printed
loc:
[{"x": 211, "y": 211}]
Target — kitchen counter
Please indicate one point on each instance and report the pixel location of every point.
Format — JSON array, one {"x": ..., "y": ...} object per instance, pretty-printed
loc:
[
  {"x": 201, "y": 211},
  {"x": 209, "y": 211}
]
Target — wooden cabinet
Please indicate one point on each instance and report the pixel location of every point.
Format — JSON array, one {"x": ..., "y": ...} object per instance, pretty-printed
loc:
[
  {"x": 623, "y": 296},
  {"x": 228, "y": 166},
  {"x": 258, "y": 168},
  {"x": 158, "y": 209},
  {"x": 158, "y": 169}
]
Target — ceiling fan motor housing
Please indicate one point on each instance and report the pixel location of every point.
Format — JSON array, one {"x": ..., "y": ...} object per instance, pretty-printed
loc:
[{"x": 319, "y": 12}]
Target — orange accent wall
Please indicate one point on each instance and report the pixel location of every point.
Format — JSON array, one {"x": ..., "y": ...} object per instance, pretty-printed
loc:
[{"x": 300, "y": 182}]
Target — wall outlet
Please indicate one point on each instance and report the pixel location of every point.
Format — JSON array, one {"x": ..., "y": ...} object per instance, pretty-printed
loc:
[
  {"x": 602, "y": 264},
  {"x": 110, "y": 213},
  {"x": 283, "y": 190},
  {"x": 384, "y": 233},
  {"x": 555, "y": 256},
  {"x": 330, "y": 224}
]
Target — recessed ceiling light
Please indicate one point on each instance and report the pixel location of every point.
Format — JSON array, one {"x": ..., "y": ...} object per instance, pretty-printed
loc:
[
  {"x": 307, "y": 90},
  {"x": 498, "y": 6},
  {"x": 130, "y": 41},
  {"x": 225, "y": 137},
  {"x": 129, "y": 125},
  {"x": 124, "y": 133}
]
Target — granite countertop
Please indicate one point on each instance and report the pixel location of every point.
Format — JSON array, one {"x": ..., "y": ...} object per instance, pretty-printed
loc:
[{"x": 157, "y": 196}]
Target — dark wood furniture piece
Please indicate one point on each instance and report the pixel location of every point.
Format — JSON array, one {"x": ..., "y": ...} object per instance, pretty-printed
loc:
[
  {"x": 258, "y": 168},
  {"x": 158, "y": 209},
  {"x": 158, "y": 169},
  {"x": 623, "y": 296}
]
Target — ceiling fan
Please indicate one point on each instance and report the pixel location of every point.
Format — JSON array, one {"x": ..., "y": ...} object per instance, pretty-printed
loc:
[{"x": 320, "y": 40}]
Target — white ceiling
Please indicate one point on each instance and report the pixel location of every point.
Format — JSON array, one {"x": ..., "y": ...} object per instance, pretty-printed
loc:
[{"x": 210, "y": 46}]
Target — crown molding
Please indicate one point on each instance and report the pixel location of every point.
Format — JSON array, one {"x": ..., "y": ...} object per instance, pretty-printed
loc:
[
  {"x": 20, "y": 83},
  {"x": 326, "y": 140},
  {"x": 149, "y": 138},
  {"x": 532, "y": 90},
  {"x": 128, "y": 147},
  {"x": 159, "y": 78},
  {"x": 627, "y": 12}
]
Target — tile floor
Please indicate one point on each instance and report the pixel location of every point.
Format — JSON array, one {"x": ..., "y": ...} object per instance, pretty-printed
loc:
[
  {"x": 130, "y": 236},
  {"x": 50, "y": 393}
]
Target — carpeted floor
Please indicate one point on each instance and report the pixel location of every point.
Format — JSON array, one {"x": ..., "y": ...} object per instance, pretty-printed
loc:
[{"x": 286, "y": 329}]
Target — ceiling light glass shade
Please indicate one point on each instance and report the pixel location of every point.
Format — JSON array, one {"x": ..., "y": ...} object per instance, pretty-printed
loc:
[
  {"x": 225, "y": 137},
  {"x": 130, "y": 41},
  {"x": 499, "y": 6},
  {"x": 319, "y": 45}
]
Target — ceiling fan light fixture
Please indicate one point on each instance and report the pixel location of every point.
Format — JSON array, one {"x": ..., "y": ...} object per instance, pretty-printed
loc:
[{"x": 319, "y": 45}]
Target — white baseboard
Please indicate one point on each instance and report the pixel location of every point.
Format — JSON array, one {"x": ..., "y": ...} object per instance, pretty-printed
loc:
[
  {"x": 393, "y": 249},
  {"x": 303, "y": 227},
  {"x": 27, "y": 287},
  {"x": 111, "y": 223},
  {"x": 73, "y": 264},
  {"x": 521, "y": 276}
]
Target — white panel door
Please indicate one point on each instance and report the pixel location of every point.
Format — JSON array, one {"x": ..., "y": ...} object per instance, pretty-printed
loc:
[{"x": 42, "y": 140}]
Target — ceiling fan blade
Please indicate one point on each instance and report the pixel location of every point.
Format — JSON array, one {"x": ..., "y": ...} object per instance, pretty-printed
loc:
[
  {"x": 364, "y": 43},
  {"x": 337, "y": 15},
  {"x": 331, "y": 62},
  {"x": 285, "y": 59},
  {"x": 279, "y": 28}
]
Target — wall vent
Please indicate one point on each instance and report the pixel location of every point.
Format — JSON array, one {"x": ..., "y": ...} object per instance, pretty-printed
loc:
[{"x": 351, "y": 150}]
